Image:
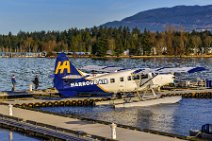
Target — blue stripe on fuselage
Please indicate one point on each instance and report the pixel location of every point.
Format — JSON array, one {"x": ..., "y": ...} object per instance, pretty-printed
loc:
[
  {"x": 75, "y": 86},
  {"x": 74, "y": 91}
]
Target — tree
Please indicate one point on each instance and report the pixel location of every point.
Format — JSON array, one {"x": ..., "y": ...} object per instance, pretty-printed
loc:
[
  {"x": 196, "y": 42},
  {"x": 207, "y": 42},
  {"x": 169, "y": 39},
  {"x": 100, "y": 47},
  {"x": 145, "y": 42},
  {"x": 161, "y": 44}
]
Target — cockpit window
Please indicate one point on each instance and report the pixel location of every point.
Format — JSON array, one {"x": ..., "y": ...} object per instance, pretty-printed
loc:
[
  {"x": 129, "y": 78},
  {"x": 144, "y": 76},
  {"x": 136, "y": 77}
]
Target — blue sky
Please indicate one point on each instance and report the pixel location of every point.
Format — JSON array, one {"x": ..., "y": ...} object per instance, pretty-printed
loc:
[{"x": 37, "y": 15}]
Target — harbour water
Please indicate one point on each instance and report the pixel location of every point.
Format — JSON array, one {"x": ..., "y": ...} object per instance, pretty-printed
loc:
[
  {"x": 25, "y": 69},
  {"x": 6, "y": 135},
  {"x": 176, "y": 118}
]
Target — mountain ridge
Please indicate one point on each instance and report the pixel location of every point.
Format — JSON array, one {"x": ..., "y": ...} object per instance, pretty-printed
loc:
[{"x": 188, "y": 17}]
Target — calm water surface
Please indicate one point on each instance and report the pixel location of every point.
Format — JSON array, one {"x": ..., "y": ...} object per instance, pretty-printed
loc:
[
  {"x": 26, "y": 68},
  {"x": 177, "y": 118},
  {"x": 6, "y": 135}
]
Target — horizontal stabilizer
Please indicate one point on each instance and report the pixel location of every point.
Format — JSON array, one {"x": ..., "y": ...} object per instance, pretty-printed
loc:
[{"x": 72, "y": 77}]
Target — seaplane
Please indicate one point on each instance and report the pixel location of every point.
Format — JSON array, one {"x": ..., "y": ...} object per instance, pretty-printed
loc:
[{"x": 115, "y": 81}]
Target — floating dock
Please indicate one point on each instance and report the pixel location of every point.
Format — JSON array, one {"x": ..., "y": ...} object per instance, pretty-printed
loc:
[
  {"x": 88, "y": 129},
  {"x": 27, "y": 93},
  {"x": 189, "y": 93},
  {"x": 50, "y": 98},
  {"x": 52, "y": 102},
  {"x": 59, "y": 127},
  {"x": 38, "y": 131}
]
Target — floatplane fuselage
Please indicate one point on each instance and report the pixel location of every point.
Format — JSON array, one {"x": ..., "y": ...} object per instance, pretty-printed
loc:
[
  {"x": 71, "y": 81},
  {"x": 108, "y": 80}
]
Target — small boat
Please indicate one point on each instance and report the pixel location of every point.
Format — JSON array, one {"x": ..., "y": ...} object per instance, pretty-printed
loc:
[{"x": 204, "y": 133}]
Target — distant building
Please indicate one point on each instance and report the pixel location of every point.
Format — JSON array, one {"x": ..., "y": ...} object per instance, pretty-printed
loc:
[
  {"x": 209, "y": 50},
  {"x": 22, "y": 54},
  {"x": 164, "y": 50},
  {"x": 77, "y": 53},
  {"x": 109, "y": 52},
  {"x": 203, "y": 29},
  {"x": 195, "y": 51},
  {"x": 126, "y": 52},
  {"x": 153, "y": 51}
]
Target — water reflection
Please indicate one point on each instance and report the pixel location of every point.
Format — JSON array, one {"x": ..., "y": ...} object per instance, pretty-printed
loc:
[
  {"x": 11, "y": 136},
  {"x": 7, "y": 135}
]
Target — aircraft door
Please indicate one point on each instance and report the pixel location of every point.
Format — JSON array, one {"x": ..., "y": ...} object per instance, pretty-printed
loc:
[{"x": 122, "y": 84}]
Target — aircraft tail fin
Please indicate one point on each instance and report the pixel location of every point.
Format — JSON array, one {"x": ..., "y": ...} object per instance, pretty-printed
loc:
[{"x": 63, "y": 68}]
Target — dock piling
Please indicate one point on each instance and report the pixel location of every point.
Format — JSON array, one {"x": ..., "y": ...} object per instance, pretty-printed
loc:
[
  {"x": 10, "y": 110},
  {"x": 113, "y": 131},
  {"x": 30, "y": 87}
]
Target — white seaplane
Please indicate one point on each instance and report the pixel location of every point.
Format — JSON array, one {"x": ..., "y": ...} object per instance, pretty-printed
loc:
[{"x": 113, "y": 81}]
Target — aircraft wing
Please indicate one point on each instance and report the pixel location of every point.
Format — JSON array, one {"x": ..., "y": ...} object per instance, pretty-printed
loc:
[
  {"x": 109, "y": 69},
  {"x": 169, "y": 70},
  {"x": 179, "y": 70},
  {"x": 104, "y": 69}
]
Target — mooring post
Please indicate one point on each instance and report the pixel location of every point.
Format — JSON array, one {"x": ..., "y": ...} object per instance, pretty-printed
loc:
[
  {"x": 10, "y": 109},
  {"x": 113, "y": 131},
  {"x": 30, "y": 87}
]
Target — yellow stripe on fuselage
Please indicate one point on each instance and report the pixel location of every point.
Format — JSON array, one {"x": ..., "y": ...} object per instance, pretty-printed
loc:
[
  {"x": 80, "y": 72},
  {"x": 103, "y": 89}
]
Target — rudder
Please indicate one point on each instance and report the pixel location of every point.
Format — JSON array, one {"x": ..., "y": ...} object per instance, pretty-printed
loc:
[{"x": 63, "y": 67}]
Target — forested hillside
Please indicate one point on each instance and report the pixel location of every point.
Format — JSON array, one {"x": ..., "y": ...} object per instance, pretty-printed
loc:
[{"x": 98, "y": 40}]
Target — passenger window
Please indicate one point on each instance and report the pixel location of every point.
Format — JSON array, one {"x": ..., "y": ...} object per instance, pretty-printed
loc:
[
  {"x": 112, "y": 80},
  {"x": 144, "y": 76},
  {"x": 129, "y": 78},
  {"x": 136, "y": 77},
  {"x": 121, "y": 79}
]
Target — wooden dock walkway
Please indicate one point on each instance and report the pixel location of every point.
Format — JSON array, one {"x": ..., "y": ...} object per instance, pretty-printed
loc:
[
  {"x": 35, "y": 99},
  {"x": 192, "y": 93},
  {"x": 17, "y": 124},
  {"x": 27, "y": 93},
  {"x": 90, "y": 128}
]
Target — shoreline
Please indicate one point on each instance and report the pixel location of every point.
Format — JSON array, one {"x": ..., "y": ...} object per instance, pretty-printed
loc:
[{"x": 119, "y": 57}]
